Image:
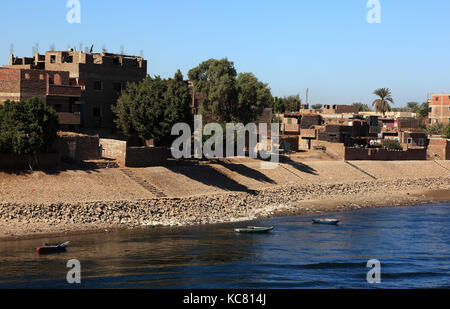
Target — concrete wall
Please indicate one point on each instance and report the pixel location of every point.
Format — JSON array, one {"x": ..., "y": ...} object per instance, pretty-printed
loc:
[
  {"x": 146, "y": 156},
  {"x": 384, "y": 154},
  {"x": 114, "y": 149},
  {"x": 24, "y": 162}
]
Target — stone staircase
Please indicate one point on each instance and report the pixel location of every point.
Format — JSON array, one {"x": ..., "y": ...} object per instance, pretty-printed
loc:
[{"x": 143, "y": 183}]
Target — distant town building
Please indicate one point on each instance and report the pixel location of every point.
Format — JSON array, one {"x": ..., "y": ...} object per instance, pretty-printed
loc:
[
  {"x": 340, "y": 109},
  {"x": 101, "y": 76},
  {"x": 439, "y": 108}
]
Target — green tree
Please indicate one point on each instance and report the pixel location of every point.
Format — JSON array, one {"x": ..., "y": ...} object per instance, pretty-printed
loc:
[
  {"x": 447, "y": 132},
  {"x": 362, "y": 107},
  {"x": 424, "y": 110},
  {"x": 28, "y": 127},
  {"x": 287, "y": 104},
  {"x": 278, "y": 106},
  {"x": 216, "y": 81},
  {"x": 229, "y": 97},
  {"x": 316, "y": 106},
  {"x": 150, "y": 108},
  {"x": 253, "y": 97},
  {"x": 435, "y": 129},
  {"x": 400, "y": 109},
  {"x": 382, "y": 104},
  {"x": 413, "y": 107},
  {"x": 293, "y": 103}
]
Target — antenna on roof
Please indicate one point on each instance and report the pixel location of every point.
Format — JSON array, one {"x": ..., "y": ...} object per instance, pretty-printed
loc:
[
  {"x": 92, "y": 49},
  {"x": 104, "y": 48},
  {"x": 35, "y": 48},
  {"x": 80, "y": 47},
  {"x": 11, "y": 49},
  {"x": 52, "y": 47}
]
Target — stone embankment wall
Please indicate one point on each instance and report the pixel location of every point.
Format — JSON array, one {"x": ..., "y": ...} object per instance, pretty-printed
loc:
[{"x": 226, "y": 207}]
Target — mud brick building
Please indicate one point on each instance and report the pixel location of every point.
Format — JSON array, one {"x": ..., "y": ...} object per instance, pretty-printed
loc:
[
  {"x": 52, "y": 87},
  {"x": 335, "y": 133},
  {"x": 413, "y": 139},
  {"x": 340, "y": 109},
  {"x": 439, "y": 108},
  {"x": 101, "y": 76}
]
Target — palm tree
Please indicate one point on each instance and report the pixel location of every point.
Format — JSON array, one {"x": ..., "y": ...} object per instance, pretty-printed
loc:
[{"x": 382, "y": 104}]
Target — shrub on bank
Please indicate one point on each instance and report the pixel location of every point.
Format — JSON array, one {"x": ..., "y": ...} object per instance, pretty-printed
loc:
[
  {"x": 391, "y": 144},
  {"x": 28, "y": 127}
]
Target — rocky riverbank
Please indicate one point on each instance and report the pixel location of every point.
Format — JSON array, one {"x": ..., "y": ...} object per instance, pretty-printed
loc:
[{"x": 27, "y": 219}]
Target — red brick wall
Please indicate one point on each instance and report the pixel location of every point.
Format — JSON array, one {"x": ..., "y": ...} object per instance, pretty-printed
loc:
[
  {"x": 439, "y": 149},
  {"x": 9, "y": 84},
  {"x": 33, "y": 84},
  {"x": 355, "y": 154}
]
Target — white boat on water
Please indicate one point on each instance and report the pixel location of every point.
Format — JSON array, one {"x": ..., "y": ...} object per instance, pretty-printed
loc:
[{"x": 327, "y": 221}]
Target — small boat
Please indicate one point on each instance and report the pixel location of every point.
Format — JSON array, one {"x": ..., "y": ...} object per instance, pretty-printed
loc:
[
  {"x": 53, "y": 248},
  {"x": 327, "y": 221},
  {"x": 254, "y": 229}
]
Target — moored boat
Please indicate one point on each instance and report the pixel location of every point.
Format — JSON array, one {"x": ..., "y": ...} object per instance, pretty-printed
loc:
[
  {"x": 53, "y": 248},
  {"x": 327, "y": 221},
  {"x": 254, "y": 229}
]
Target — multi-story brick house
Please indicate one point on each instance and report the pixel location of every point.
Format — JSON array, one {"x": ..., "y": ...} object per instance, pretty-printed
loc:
[
  {"x": 52, "y": 87},
  {"x": 102, "y": 76},
  {"x": 439, "y": 108}
]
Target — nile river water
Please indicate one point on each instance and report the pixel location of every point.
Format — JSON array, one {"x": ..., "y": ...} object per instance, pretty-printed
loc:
[{"x": 412, "y": 244}]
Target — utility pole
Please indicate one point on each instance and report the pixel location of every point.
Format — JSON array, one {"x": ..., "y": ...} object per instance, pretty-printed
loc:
[{"x": 307, "y": 92}]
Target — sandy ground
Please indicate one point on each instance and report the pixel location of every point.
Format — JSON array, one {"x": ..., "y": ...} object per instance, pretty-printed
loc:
[{"x": 183, "y": 181}]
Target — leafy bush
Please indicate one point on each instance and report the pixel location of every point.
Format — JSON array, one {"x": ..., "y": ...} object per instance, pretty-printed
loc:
[
  {"x": 447, "y": 132},
  {"x": 435, "y": 129},
  {"x": 27, "y": 127},
  {"x": 391, "y": 144}
]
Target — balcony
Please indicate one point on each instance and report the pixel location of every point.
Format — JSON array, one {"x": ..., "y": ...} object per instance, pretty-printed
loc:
[
  {"x": 64, "y": 91},
  {"x": 69, "y": 118}
]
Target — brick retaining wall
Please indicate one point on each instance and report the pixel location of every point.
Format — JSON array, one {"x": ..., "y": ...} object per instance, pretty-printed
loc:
[{"x": 354, "y": 154}]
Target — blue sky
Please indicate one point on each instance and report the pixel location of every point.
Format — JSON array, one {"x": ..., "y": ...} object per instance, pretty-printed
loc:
[{"x": 324, "y": 45}]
